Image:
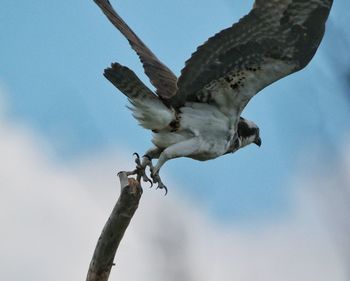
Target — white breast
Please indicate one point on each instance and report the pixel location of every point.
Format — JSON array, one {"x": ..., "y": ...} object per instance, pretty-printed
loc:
[{"x": 207, "y": 124}]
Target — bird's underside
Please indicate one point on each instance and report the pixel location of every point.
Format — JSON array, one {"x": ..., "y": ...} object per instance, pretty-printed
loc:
[{"x": 198, "y": 115}]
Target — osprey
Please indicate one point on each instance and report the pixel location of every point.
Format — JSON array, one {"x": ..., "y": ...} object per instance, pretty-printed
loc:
[{"x": 198, "y": 115}]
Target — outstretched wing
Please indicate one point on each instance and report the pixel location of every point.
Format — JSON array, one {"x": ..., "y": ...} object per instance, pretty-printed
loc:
[
  {"x": 162, "y": 78},
  {"x": 277, "y": 38}
]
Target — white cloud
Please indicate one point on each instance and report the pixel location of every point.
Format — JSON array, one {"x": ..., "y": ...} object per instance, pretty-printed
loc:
[{"x": 51, "y": 216}]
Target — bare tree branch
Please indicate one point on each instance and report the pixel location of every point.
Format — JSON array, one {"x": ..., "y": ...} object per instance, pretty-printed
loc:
[{"x": 114, "y": 229}]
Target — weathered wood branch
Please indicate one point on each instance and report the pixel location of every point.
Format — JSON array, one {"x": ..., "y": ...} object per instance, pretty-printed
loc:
[{"x": 114, "y": 229}]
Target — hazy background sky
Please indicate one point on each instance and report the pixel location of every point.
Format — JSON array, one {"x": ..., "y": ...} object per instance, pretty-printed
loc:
[{"x": 271, "y": 212}]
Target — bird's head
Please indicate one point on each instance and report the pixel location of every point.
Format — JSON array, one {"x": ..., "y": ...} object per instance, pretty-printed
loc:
[{"x": 248, "y": 132}]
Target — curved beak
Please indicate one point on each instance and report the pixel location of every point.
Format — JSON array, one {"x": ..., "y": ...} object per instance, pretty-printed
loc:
[{"x": 258, "y": 141}]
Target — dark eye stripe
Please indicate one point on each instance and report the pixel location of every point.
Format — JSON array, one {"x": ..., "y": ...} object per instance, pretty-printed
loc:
[{"x": 244, "y": 130}]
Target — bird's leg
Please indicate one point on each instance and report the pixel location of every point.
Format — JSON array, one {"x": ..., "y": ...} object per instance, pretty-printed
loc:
[
  {"x": 181, "y": 149},
  {"x": 141, "y": 165},
  {"x": 150, "y": 154}
]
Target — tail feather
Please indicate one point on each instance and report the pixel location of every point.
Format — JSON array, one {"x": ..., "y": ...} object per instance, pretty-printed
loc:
[
  {"x": 146, "y": 107},
  {"x": 127, "y": 81}
]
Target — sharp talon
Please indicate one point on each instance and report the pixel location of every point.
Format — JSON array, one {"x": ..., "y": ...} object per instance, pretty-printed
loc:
[
  {"x": 137, "y": 160},
  {"x": 162, "y": 186},
  {"x": 150, "y": 183},
  {"x": 156, "y": 179},
  {"x": 140, "y": 171}
]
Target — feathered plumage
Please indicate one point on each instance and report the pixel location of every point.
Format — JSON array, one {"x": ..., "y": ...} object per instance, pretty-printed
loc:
[{"x": 198, "y": 115}]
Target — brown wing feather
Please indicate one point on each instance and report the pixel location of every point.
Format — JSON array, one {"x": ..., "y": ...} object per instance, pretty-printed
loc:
[
  {"x": 277, "y": 38},
  {"x": 162, "y": 78}
]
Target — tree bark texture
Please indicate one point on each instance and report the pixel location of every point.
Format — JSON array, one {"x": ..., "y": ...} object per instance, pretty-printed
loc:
[{"x": 114, "y": 229}]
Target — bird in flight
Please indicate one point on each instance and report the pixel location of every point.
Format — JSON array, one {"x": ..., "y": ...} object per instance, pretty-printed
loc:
[{"x": 198, "y": 114}]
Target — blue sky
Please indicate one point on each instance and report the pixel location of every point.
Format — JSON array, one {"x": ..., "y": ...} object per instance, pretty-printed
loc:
[{"x": 53, "y": 55}]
